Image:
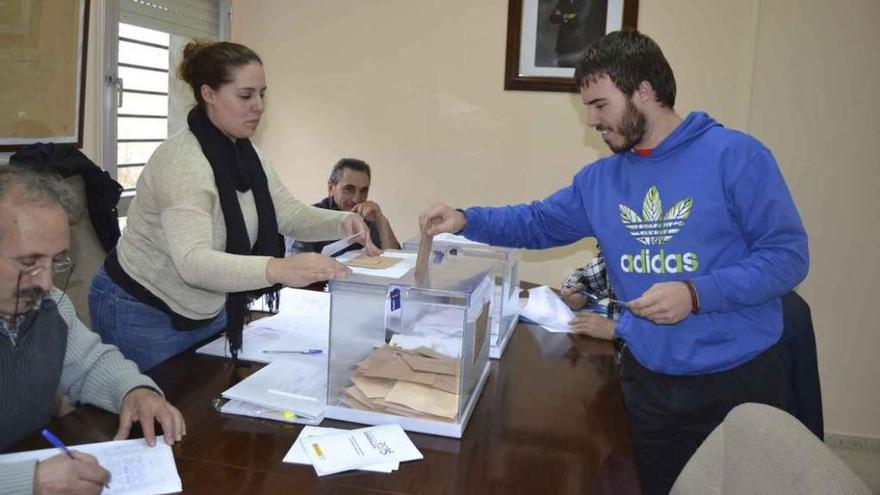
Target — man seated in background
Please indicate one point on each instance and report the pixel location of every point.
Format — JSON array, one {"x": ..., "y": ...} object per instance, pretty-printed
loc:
[
  {"x": 347, "y": 190},
  {"x": 45, "y": 348}
]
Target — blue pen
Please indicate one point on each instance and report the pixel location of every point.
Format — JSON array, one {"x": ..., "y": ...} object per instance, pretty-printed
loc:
[
  {"x": 57, "y": 443},
  {"x": 301, "y": 351},
  {"x": 595, "y": 299}
]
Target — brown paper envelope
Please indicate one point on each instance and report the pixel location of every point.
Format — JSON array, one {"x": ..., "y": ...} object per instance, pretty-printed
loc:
[
  {"x": 447, "y": 383},
  {"x": 373, "y": 262},
  {"x": 424, "y": 399},
  {"x": 395, "y": 368},
  {"x": 357, "y": 396},
  {"x": 431, "y": 353},
  {"x": 373, "y": 387},
  {"x": 429, "y": 365}
]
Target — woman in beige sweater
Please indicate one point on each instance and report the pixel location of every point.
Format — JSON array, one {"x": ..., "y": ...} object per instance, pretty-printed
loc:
[{"x": 202, "y": 236}]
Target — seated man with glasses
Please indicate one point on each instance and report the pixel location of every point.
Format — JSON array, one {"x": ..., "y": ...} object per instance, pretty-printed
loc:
[{"x": 45, "y": 348}]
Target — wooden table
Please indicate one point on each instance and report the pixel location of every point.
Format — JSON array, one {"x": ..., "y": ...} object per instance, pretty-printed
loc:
[{"x": 550, "y": 421}]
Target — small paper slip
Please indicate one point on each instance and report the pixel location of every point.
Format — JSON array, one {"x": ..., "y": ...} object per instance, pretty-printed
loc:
[
  {"x": 407, "y": 262},
  {"x": 297, "y": 453},
  {"x": 545, "y": 308},
  {"x": 335, "y": 247},
  {"x": 284, "y": 386},
  {"x": 337, "y": 452},
  {"x": 135, "y": 467},
  {"x": 373, "y": 262}
]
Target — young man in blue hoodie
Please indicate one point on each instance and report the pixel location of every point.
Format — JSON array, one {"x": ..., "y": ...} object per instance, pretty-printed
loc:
[{"x": 700, "y": 235}]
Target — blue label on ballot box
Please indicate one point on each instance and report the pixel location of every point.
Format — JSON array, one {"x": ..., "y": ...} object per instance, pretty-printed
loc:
[{"x": 394, "y": 295}]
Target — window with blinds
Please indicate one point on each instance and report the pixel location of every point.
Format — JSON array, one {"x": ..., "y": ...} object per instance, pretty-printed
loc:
[{"x": 148, "y": 102}]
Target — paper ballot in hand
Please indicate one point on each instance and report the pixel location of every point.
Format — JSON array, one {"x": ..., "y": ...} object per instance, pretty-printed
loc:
[{"x": 335, "y": 247}]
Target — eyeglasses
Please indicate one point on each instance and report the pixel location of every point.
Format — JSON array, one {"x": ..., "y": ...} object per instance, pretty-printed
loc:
[{"x": 60, "y": 265}]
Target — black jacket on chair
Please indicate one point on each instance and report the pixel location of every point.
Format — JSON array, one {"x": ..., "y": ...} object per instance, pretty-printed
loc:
[{"x": 102, "y": 192}]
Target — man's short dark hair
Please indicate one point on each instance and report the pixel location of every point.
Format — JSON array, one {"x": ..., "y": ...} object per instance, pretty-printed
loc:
[
  {"x": 627, "y": 58},
  {"x": 351, "y": 164}
]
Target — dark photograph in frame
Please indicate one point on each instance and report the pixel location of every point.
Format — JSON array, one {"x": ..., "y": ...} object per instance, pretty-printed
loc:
[{"x": 545, "y": 38}]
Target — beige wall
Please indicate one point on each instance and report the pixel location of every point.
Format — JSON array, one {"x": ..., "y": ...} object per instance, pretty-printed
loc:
[{"x": 415, "y": 88}]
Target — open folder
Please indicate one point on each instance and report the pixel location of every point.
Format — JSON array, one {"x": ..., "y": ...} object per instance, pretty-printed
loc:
[{"x": 286, "y": 386}]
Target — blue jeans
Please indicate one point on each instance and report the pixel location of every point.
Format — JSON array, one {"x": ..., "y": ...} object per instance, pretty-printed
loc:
[{"x": 143, "y": 333}]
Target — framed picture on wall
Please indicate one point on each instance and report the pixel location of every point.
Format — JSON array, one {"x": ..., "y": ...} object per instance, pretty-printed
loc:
[
  {"x": 44, "y": 45},
  {"x": 545, "y": 38}
]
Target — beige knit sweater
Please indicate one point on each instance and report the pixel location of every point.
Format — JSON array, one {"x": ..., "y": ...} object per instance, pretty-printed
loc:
[{"x": 175, "y": 238}]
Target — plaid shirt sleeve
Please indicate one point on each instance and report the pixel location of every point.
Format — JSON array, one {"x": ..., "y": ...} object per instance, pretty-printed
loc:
[{"x": 595, "y": 280}]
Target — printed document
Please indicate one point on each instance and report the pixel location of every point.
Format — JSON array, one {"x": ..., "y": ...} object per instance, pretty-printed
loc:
[
  {"x": 297, "y": 453},
  {"x": 337, "y": 452}
]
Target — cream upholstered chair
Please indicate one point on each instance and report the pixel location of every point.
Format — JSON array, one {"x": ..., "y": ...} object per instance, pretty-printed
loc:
[
  {"x": 85, "y": 251},
  {"x": 87, "y": 254},
  {"x": 761, "y": 449}
]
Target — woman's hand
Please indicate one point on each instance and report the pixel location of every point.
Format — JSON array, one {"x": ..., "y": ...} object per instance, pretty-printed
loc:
[
  {"x": 354, "y": 224},
  {"x": 304, "y": 269}
]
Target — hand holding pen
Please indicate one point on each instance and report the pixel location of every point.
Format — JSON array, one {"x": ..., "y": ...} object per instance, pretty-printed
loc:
[{"x": 70, "y": 472}]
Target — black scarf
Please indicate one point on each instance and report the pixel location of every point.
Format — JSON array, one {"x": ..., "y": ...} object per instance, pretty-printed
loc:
[{"x": 237, "y": 167}]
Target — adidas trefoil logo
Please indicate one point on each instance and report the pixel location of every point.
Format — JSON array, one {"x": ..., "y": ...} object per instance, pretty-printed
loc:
[{"x": 653, "y": 227}]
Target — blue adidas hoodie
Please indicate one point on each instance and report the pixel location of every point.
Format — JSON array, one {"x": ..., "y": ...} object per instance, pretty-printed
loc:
[{"x": 708, "y": 205}]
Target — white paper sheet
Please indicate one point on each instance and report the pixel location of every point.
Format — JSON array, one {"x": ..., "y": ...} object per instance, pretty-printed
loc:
[
  {"x": 545, "y": 308},
  {"x": 297, "y": 453},
  {"x": 335, "y": 247},
  {"x": 400, "y": 269},
  {"x": 303, "y": 322},
  {"x": 295, "y": 386},
  {"x": 135, "y": 468}
]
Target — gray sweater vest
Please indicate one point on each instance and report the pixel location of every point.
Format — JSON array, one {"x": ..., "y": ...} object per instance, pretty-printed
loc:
[{"x": 31, "y": 373}]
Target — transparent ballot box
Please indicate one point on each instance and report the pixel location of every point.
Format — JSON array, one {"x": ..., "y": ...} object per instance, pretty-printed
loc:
[
  {"x": 505, "y": 269},
  {"x": 412, "y": 350}
]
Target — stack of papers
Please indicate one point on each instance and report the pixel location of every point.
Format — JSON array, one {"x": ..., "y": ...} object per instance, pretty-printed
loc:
[
  {"x": 420, "y": 383},
  {"x": 546, "y": 308},
  {"x": 289, "y": 391},
  {"x": 135, "y": 467},
  {"x": 330, "y": 450},
  {"x": 302, "y": 324}
]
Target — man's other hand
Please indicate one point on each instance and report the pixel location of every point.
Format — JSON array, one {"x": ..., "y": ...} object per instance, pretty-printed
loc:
[
  {"x": 664, "y": 303},
  {"x": 144, "y": 405},
  {"x": 369, "y": 210}
]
